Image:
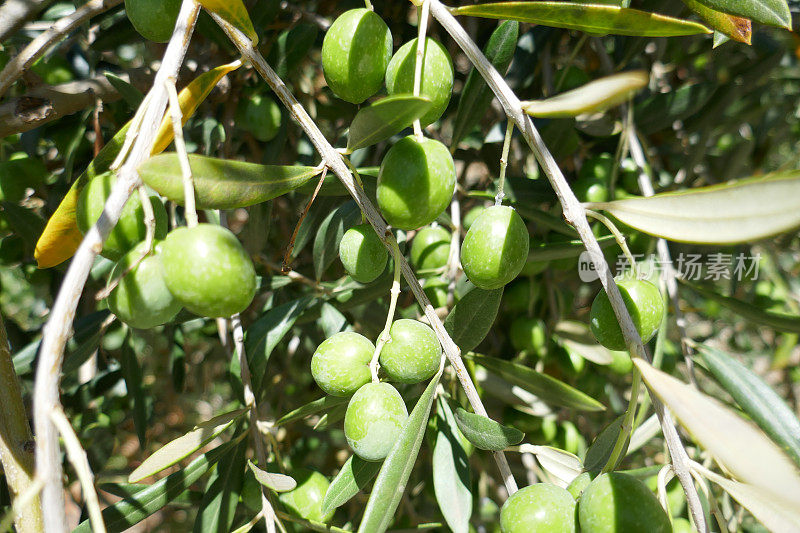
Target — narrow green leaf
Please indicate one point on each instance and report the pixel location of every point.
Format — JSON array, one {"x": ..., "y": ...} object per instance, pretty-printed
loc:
[
  {"x": 778, "y": 321},
  {"x": 221, "y": 496},
  {"x": 599, "y": 451},
  {"x": 451, "y": 475},
  {"x": 266, "y": 332},
  {"x": 560, "y": 464},
  {"x": 661, "y": 110},
  {"x": 593, "y": 97},
  {"x": 756, "y": 398},
  {"x": 546, "y": 388},
  {"x": 485, "y": 433},
  {"x": 735, "y": 212},
  {"x": 352, "y": 478},
  {"x": 384, "y": 118},
  {"x": 769, "y": 12},
  {"x": 737, "y": 28},
  {"x": 329, "y": 235},
  {"x": 130, "y": 511},
  {"x": 591, "y": 18},
  {"x": 472, "y": 317},
  {"x": 312, "y": 408},
  {"x": 396, "y": 469},
  {"x": 545, "y": 252},
  {"x": 185, "y": 445},
  {"x": 476, "y": 95},
  {"x": 271, "y": 480},
  {"x": 132, "y": 96},
  {"x": 222, "y": 183},
  {"x": 331, "y": 320},
  {"x": 132, "y": 373},
  {"x": 577, "y": 337},
  {"x": 736, "y": 444}
]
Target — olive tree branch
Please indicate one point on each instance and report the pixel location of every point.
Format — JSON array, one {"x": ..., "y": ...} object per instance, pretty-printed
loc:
[
  {"x": 15, "y": 13},
  {"x": 17, "y": 66},
  {"x": 576, "y": 216},
  {"x": 339, "y": 167},
  {"x": 57, "y": 330}
]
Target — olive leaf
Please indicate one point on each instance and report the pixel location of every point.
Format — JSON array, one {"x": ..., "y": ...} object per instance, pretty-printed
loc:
[
  {"x": 329, "y": 235},
  {"x": 451, "y": 475},
  {"x": 756, "y": 398},
  {"x": 560, "y": 464},
  {"x": 661, "y": 110},
  {"x": 740, "y": 211},
  {"x": 396, "y": 469},
  {"x": 599, "y": 451},
  {"x": 317, "y": 406},
  {"x": 737, "y": 28},
  {"x": 472, "y": 317},
  {"x": 234, "y": 13},
  {"x": 271, "y": 480},
  {"x": 132, "y": 96},
  {"x": 486, "y": 433},
  {"x": 577, "y": 337},
  {"x": 593, "y": 18},
  {"x": 352, "y": 478},
  {"x": 736, "y": 444},
  {"x": 769, "y": 12},
  {"x": 593, "y": 97},
  {"x": 179, "y": 449},
  {"x": 132, "y": 374},
  {"x": 476, "y": 95},
  {"x": 546, "y": 388},
  {"x": 221, "y": 183},
  {"x": 384, "y": 118},
  {"x": 221, "y": 494}
]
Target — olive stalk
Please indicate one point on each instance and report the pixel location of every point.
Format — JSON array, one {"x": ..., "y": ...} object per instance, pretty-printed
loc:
[
  {"x": 627, "y": 424},
  {"x": 385, "y": 337},
  {"x": 339, "y": 167},
  {"x": 618, "y": 236},
  {"x": 501, "y": 180},
  {"x": 183, "y": 156},
  {"x": 424, "y": 14},
  {"x": 576, "y": 216},
  {"x": 58, "y": 327}
]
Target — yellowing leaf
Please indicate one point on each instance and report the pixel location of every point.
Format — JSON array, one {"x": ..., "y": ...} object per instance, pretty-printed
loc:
[
  {"x": 741, "y": 211},
  {"x": 593, "y": 97},
  {"x": 737, "y": 444},
  {"x": 234, "y": 12},
  {"x": 61, "y": 237},
  {"x": 737, "y": 28}
]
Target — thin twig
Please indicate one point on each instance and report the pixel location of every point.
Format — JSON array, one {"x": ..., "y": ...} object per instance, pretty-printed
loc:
[
  {"x": 287, "y": 255},
  {"x": 385, "y": 337},
  {"x": 454, "y": 257},
  {"x": 501, "y": 180},
  {"x": 57, "y": 329},
  {"x": 575, "y": 215},
  {"x": 17, "y": 66},
  {"x": 183, "y": 157},
  {"x": 77, "y": 456},
  {"x": 339, "y": 167}
]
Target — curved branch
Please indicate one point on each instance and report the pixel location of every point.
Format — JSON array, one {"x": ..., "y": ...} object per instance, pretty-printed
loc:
[{"x": 15, "y": 13}]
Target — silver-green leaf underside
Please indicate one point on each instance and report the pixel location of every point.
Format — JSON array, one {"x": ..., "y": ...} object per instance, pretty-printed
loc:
[{"x": 593, "y": 97}]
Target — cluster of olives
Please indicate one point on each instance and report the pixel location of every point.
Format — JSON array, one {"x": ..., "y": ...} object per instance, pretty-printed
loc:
[
  {"x": 376, "y": 412},
  {"x": 611, "y": 503},
  {"x": 203, "y": 269}
]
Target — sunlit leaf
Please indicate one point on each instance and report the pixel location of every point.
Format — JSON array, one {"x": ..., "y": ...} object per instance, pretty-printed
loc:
[
  {"x": 741, "y": 211},
  {"x": 560, "y": 464},
  {"x": 182, "y": 447},
  {"x": 451, "y": 475},
  {"x": 384, "y": 118},
  {"x": 472, "y": 317},
  {"x": 737, "y": 28},
  {"x": 593, "y": 18},
  {"x": 737, "y": 444},
  {"x": 234, "y": 13},
  {"x": 769, "y": 12},
  {"x": 593, "y": 97},
  {"x": 271, "y": 480},
  {"x": 312, "y": 408},
  {"x": 351, "y": 479},
  {"x": 486, "y": 433}
]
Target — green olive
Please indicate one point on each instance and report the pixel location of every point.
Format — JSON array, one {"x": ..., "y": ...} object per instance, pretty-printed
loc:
[
  {"x": 528, "y": 334},
  {"x": 261, "y": 116},
  {"x": 208, "y": 270},
  {"x": 374, "y": 420},
  {"x": 518, "y": 295},
  {"x": 362, "y": 253},
  {"x": 538, "y": 508},
  {"x": 621, "y": 362},
  {"x": 495, "y": 248},
  {"x": 305, "y": 500},
  {"x": 416, "y": 182},
  {"x": 437, "y": 76},
  {"x": 130, "y": 229},
  {"x": 471, "y": 216},
  {"x": 340, "y": 365},
  {"x": 153, "y": 19},
  {"x": 355, "y": 53},
  {"x": 142, "y": 299},
  {"x": 430, "y": 248},
  {"x": 436, "y": 289},
  {"x": 413, "y": 354},
  {"x": 644, "y": 303},
  {"x": 620, "y": 503},
  {"x": 681, "y": 525}
]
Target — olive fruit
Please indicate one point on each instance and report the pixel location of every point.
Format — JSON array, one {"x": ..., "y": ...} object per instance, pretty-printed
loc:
[
  {"x": 141, "y": 299},
  {"x": 261, "y": 116},
  {"x": 518, "y": 295},
  {"x": 153, "y": 19},
  {"x": 436, "y": 289},
  {"x": 430, "y": 248},
  {"x": 590, "y": 190},
  {"x": 355, "y": 53},
  {"x": 437, "y": 76},
  {"x": 362, "y": 253},
  {"x": 681, "y": 525},
  {"x": 208, "y": 270},
  {"x": 528, "y": 334},
  {"x": 495, "y": 248},
  {"x": 374, "y": 420},
  {"x": 340, "y": 365},
  {"x": 644, "y": 303},
  {"x": 416, "y": 182},
  {"x": 619, "y": 503},
  {"x": 413, "y": 354},
  {"x": 471, "y": 216},
  {"x": 130, "y": 229},
  {"x": 305, "y": 500},
  {"x": 538, "y": 508},
  {"x": 621, "y": 362}
]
